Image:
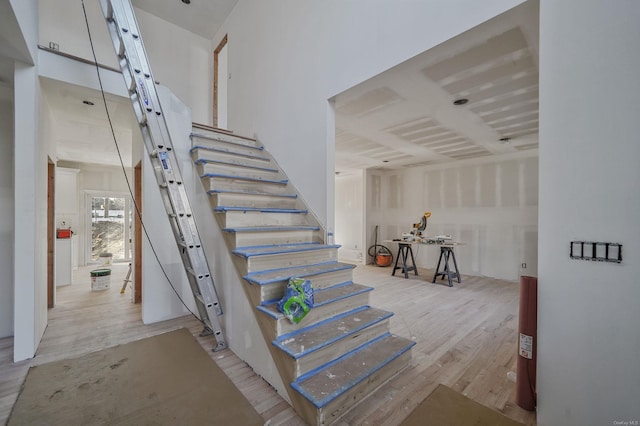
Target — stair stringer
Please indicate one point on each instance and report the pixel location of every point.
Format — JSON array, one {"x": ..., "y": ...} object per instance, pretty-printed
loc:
[{"x": 243, "y": 333}]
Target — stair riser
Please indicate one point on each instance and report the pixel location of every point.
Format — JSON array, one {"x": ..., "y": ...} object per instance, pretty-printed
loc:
[
  {"x": 238, "y": 219},
  {"x": 247, "y": 200},
  {"x": 206, "y": 138},
  {"x": 290, "y": 260},
  {"x": 231, "y": 184},
  {"x": 206, "y": 155},
  {"x": 300, "y": 366},
  {"x": 237, "y": 151},
  {"x": 246, "y": 239},
  {"x": 276, "y": 289},
  {"x": 204, "y": 168},
  {"x": 317, "y": 314},
  {"x": 339, "y": 406}
]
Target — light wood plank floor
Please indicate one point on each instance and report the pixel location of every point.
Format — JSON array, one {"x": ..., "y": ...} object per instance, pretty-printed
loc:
[{"x": 465, "y": 335}]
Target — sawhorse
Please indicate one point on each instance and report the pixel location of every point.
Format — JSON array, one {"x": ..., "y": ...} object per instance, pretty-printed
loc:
[
  {"x": 446, "y": 252},
  {"x": 404, "y": 251}
]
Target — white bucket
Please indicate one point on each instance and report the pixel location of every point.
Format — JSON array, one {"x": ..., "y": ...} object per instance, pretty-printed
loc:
[
  {"x": 100, "y": 279},
  {"x": 106, "y": 259}
]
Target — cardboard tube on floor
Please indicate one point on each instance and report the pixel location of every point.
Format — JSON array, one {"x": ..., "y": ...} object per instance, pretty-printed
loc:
[{"x": 527, "y": 343}]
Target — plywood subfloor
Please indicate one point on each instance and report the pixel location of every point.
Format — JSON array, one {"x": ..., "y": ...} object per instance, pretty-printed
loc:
[
  {"x": 465, "y": 338},
  {"x": 446, "y": 407}
]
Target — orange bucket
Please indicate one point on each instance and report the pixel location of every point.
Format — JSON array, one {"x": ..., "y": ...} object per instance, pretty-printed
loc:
[{"x": 383, "y": 259}]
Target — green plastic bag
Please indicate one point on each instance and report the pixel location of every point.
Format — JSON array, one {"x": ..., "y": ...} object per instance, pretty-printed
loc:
[{"x": 297, "y": 300}]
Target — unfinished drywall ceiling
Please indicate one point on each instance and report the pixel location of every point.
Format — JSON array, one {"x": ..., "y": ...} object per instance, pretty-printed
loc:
[
  {"x": 203, "y": 18},
  {"x": 406, "y": 116},
  {"x": 80, "y": 129}
]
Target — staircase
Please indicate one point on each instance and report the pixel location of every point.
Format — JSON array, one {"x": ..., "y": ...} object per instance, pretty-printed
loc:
[{"x": 342, "y": 350}]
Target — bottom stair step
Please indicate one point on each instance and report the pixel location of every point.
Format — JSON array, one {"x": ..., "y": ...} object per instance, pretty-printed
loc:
[{"x": 330, "y": 391}]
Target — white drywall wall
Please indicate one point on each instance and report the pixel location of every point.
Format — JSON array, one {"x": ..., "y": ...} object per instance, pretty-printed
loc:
[
  {"x": 26, "y": 15},
  {"x": 66, "y": 198},
  {"x": 491, "y": 207},
  {"x": 57, "y": 67},
  {"x": 30, "y": 212},
  {"x": 179, "y": 59},
  {"x": 7, "y": 214},
  {"x": 287, "y": 58},
  {"x": 350, "y": 217},
  {"x": 588, "y": 312}
]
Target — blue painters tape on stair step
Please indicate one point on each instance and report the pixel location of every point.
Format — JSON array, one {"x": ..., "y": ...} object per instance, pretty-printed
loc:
[
  {"x": 228, "y": 151},
  {"x": 362, "y": 326},
  {"x": 272, "y": 228},
  {"x": 239, "y": 192},
  {"x": 258, "y": 209},
  {"x": 250, "y": 179},
  {"x": 292, "y": 272},
  {"x": 352, "y": 383},
  {"x": 227, "y": 163},
  {"x": 230, "y": 142},
  {"x": 247, "y": 252}
]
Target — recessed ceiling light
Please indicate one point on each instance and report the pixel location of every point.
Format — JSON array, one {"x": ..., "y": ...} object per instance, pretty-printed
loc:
[
  {"x": 88, "y": 103},
  {"x": 460, "y": 101},
  {"x": 186, "y": 1}
]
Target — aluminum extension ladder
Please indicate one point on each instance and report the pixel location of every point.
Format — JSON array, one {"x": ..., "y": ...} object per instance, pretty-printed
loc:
[{"x": 136, "y": 71}]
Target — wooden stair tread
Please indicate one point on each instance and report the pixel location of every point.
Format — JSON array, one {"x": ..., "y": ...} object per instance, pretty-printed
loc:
[
  {"x": 258, "y": 209},
  {"x": 246, "y": 178},
  {"x": 250, "y": 193},
  {"x": 327, "y": 383},
  {"x": 271, "y": 229},
  {"x": 281, "y": 249},
  {"x": 309, "y": 339},
  {"x": 321, "y": 297},
  {"x": 268, "y": 277},
  {"x": 239, "y": 165},
  {"x": 217, "y": 129},
  {"x": 227, "y": 139},
  {"x": 254, "y": 153}
]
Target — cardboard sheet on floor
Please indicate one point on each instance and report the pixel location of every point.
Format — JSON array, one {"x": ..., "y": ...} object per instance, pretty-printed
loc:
[
  {"x": 446, "y": 407},
  {"x": 167, "y": 379}
]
